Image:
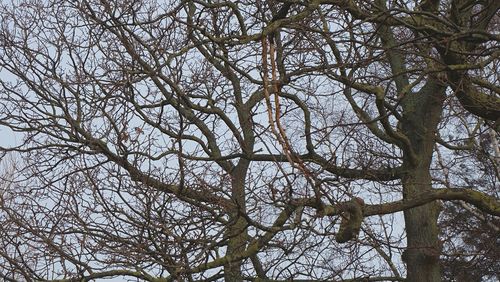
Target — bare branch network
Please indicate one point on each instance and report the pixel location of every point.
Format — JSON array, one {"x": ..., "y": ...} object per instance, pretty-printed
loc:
[{"x": 250, "y": 140}]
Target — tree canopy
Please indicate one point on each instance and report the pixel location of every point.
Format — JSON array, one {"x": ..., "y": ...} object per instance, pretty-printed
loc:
[{"x": 250, "y": 140}]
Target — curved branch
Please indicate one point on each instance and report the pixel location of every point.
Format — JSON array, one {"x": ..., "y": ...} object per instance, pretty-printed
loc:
[{"x": 474, "y": 100}]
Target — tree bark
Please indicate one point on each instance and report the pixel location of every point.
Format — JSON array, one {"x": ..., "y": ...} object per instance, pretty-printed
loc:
[
  {"x": 423, "y": 247},
  {"x": 422, "y": 112},
  {"x": 237, "y": 231}
]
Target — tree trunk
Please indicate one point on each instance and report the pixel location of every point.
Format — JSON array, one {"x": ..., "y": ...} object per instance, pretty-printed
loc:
[
  {"x": 422, "y": 253},
  {"x": 237, "y": 231},
  {"x": 422, "y": 112},
  {"x": 237, "y": 243}
]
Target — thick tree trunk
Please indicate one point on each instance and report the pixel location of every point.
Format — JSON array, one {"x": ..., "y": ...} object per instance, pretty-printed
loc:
[
  {"x": 422, "y": 112},
  {"x": 422, "y": 253}
]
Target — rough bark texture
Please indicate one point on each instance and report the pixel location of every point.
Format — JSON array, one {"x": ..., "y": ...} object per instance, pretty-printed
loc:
[
  {"x": 422, "y": 254},
  {"x": 422, "y": 112}
]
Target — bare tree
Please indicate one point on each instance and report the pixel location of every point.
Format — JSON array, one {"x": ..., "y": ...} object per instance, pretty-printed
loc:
[{"x": 245, "y": 140}]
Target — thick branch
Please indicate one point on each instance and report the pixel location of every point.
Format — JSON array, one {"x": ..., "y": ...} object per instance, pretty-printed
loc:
[
  {"x": 482, "y": 201},
  {"x": 474, "y": 100}
]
